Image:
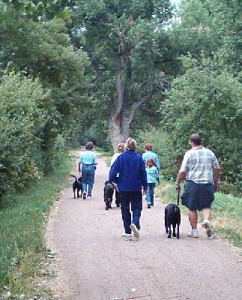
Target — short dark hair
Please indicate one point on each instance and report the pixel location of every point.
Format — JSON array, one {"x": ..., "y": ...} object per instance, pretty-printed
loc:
[
  {"x": 89, "y": 146},
  {"x": 196, "y": 139}
]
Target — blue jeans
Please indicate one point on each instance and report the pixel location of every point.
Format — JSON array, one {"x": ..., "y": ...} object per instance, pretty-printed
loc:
[
  {"x": 133, "y": 201},
  {"x": 88, "y": 173},
  {"x": 150, "y": 193}
]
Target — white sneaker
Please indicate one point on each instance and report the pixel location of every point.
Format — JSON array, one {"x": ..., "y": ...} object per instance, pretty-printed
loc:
[
  {"x": 134, "y": 230},
  {"x": 193, "y": 233},
  {"x": 89, "y": 197},
  {"x": 207, "y": 225},
  {"x": 127, "y": 235}
]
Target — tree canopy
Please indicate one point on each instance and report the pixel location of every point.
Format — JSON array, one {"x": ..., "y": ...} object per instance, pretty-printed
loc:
[
  {"x": 122, "y": 39},
  {"x": 105, "y": 69}
]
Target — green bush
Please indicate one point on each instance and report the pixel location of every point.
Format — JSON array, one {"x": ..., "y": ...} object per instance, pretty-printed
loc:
[
  {"x": 56, "y": 151},
  {"x": 23, "y": 219},
  {"x": 21, "y": 124},
  {"x": 206, "y": 101}
]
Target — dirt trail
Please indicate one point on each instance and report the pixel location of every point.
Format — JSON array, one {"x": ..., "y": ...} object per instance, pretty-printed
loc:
[{"x": 95, "y": 263}]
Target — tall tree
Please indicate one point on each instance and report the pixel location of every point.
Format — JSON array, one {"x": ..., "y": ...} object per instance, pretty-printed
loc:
[
  {"x": 122, "y": 39},
  {"x": 46, "y": 53},
  {"x": 211, "y": 28}
]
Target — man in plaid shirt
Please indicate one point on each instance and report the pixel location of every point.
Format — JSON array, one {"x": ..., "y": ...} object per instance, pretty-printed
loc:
[{"x": 200, "y": 168}]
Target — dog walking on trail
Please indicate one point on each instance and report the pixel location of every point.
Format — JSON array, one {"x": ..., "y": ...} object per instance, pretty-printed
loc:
[
  {"x": 77, "y": 187},
  {"x": 200, "y": 169},
  {"x": 132, "y": 178},
  {"x": 173, "y": 219},
  {"x": 108, "y": 194}
]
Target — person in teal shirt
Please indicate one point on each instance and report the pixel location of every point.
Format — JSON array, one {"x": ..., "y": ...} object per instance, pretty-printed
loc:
[
  {"x": 87, "y": 166},
  {"x": 152, "y": 176},
  {"x": 150, "y": 154}
]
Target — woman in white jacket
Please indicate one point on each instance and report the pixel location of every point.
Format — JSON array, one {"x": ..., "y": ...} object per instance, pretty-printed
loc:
[{"x": 120, "y": 149}]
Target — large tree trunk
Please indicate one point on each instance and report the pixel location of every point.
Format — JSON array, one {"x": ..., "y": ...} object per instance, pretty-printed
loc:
[
  {"x": 121, "y": 116},
  {"x": 116, "y": 133}
]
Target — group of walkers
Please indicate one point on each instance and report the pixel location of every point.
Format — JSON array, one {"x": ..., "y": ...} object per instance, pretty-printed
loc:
[{"x": 135, "y": 175}]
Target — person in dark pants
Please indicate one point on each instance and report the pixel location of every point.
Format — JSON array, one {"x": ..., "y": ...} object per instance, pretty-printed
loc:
[
  {"x": 88, "y": 161},
  {"x": 132, "y": 178},
  {"x": 200, "y": 169}
]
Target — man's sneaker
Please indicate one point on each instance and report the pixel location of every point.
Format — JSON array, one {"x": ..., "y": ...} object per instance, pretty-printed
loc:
[
  {"x": 206, "y": 224},
  {"x": 89, "y": 197},
  {"x": 148, "y": 205},
  {"x": 126, "y": 235},
  {"x": 134, "y": 230},
  {"x": 193, "y": 233},
  {"x": 84, "y": 195}
]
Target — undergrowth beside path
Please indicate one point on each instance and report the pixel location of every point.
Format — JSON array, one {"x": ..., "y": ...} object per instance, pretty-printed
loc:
[{"x": 23, "y": 219}]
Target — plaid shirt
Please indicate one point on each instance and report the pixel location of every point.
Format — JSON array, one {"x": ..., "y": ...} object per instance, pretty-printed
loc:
[{"x": 198, "y": 164}]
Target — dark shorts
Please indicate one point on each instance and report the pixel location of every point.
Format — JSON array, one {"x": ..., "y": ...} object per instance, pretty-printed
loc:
[{"x": 197, "y": 196}]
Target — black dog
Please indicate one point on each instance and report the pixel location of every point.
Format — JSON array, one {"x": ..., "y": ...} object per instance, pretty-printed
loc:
[
  {"x": 172, "y": 218},
  {"x": 77, "y": 186},
  {"x": 108, "y": 194}
]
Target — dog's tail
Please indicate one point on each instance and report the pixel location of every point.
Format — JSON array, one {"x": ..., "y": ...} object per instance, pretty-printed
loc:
[{"x": 74, "y": 176}]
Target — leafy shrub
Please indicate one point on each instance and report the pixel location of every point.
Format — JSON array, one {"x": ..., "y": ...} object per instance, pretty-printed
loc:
[
  {"x": 206, "y": 101},
  {"x": 57, "y": 150},
  {"x": 21, "y": 123}
]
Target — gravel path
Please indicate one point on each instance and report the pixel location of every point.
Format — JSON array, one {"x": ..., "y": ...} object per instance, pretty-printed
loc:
[{"x": 95, "y": 263}]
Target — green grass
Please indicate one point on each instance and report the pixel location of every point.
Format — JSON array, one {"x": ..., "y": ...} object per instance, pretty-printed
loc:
[
  {"x": 226, "y": 212},
  {"x": 23, "y": 219}
]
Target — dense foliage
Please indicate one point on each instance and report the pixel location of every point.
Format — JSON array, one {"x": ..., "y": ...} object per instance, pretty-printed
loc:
[
  {"x": 205, "y": 96},
  {"x": 206, "y": 101},
  {"x": 100, "y": 70},
  {"x": 127, "y": 44},
  {"x": 21, "y": 122},
  {"x": 41, "y": 103}
]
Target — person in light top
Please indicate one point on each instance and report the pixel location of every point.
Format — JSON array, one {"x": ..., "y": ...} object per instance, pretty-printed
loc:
[
  {"x": 120, "y": 149},
  {"x": 152, "y": 177},
  {"x": 200, "y": 169},
  {"x": 87, "y": 166}
]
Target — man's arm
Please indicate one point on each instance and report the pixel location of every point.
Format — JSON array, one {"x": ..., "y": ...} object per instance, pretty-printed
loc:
[
  {"x": 216, "y": 176},
  {"x": 181, "y": 176}
]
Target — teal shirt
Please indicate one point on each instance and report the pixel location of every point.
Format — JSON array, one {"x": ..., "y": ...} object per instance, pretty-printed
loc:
[
  {"x": 152, "y": 174},
  {"x": 151, "y": 154},
  {"x": 88, "y": 158}
]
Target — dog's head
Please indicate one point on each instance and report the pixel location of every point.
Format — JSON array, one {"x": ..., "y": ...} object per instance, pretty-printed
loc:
[{"x": 108, "y": 186}]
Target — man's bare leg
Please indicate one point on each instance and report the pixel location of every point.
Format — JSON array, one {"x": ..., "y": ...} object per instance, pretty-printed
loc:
[{"x": 192, "y": 215}]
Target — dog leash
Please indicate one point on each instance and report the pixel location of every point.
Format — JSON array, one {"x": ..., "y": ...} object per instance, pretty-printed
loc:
[{"x": 178, "y": 198}]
